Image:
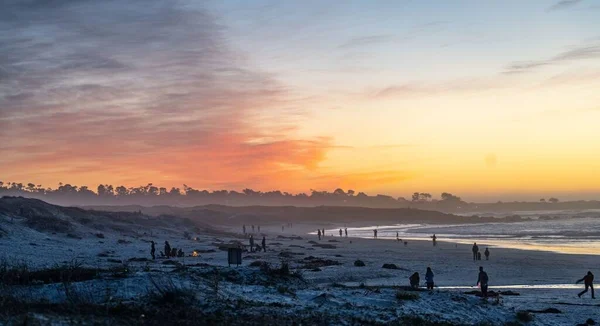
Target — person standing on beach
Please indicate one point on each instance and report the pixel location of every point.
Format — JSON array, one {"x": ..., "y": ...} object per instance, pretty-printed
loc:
[
  {"x": 167, "y": 249},
  {"x": 482, "y": 281},
  {"x": 340, "y": 233},
  {"x": 264, "y": 244},
  {"x": 346, "y": 230},
  {"x": 397, "y": 236},
  {"x": 152, "y": 250},
  {"x": 429, "y": 278},
  {"x": 434, "y": 238},
  {"x": 259, "y": 228},
  {"x": 487, "y": 254},
  {"x": 323, "y": 232},
  {"x": 414, "y": 280},
  {"x": 251, "y": 243},
  {"x": 475, "y": 250},
  {"x": 588, "y": 281},
  {"x": 244, "y": 228},
  {"x": 319, "y": 233},
  {"x": 252, "y": 228},
  {"x": 375, "y": 233}
]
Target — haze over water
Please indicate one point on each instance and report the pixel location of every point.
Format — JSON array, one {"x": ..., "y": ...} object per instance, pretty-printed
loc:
[{"x": 572, "y": 235}]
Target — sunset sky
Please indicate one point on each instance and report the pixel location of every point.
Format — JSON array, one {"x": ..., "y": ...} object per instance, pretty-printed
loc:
[{"x": 490, "y": 100}]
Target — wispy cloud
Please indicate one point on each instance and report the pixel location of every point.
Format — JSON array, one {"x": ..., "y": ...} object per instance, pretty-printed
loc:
[
  {"x": 564, "y": 4},
  {"x": 583, "y": 52},
  {"x": 127, "y": 91},
  {"x": 365, "y": 41}
]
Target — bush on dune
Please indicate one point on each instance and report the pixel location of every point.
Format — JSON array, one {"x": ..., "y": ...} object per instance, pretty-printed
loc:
[{"x": 402, "y": 296}]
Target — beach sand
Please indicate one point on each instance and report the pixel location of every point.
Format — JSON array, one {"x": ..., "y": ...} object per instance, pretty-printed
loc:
[{"x": 543, "y": 279}]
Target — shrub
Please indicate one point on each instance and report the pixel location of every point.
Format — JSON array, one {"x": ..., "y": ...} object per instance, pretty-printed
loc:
[
  {"x": 402, "y": 296},
  {"x": 167, "y": 293},
  {"x": 524, "y": 316}
]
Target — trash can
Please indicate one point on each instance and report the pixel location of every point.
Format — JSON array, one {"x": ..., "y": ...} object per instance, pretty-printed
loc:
[{"x": 234, "y": 256}]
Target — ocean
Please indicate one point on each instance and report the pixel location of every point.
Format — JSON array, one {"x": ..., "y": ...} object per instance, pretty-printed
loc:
[{"x": 571, "y": 232}]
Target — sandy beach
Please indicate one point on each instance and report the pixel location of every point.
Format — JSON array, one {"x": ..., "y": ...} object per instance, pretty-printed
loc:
[{"x": 542, "y": 279}]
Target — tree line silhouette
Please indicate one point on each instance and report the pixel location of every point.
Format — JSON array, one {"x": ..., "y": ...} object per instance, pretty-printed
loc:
[
  {"x": 151, "y": 195},
  {"x": 154, "y": 195}
]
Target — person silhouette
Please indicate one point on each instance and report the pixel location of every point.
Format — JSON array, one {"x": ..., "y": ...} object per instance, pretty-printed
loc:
[
  {"x": 475, "y": 250},
  {"x": 482, "y": 281},
  {"x": 153, "y": 249},
  {"x": 429, "y": 278},
  {"x": 588, "y": 281}
]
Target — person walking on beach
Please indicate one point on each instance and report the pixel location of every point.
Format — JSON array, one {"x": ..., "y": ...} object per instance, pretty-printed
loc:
[
  {"x": 475, "y": 250},
  {"x": 244, "y": 228},
  {"x": 251, "y": 243},
  {"x": 434, "y": 238},
  {"x": 319, "y": 233},
  {"x": 588, "y": 281},
  {"x": 264, "y": 244},
  {"x": 414, "y": 280},
  {"x": 375, "y": 233},
  {"x": 167, "y": 249},
  {"x": 340, "y": 233},
  {"x": 346, "y": 231},
  {"x": 482, "y": 281},
  {"x": 429, "y": 278},
  {"x": 252, "y": 228},
  {"x": 487, "y": 254},
  {"x": 323, "y": 232},
  {"x": 397, "y": 236},
  {"x": 153, "y": 250}
]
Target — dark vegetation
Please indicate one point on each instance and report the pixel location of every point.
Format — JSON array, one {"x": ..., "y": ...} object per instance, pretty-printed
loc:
[
  {"x": 150, "y": 195},
  {"x": 524, "y": 316}
]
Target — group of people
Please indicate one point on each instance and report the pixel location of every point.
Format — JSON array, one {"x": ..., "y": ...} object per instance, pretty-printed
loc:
[
  {"x": 258, "y": 248},
  {"x": 477, "y": 253},
  {"x": 321, "y": 233},
  {"x": 168, "y": 252},
  {"x": 415, "y": 279},
  {"x": 253, "y": 228}
]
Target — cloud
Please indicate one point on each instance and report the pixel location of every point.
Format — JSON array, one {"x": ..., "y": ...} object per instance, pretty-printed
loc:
[
  {"x": 584, "y": 52},
  {"x": 365, "y": 41},
  {"x": 138, "y": 91},
  {"x": 564, "y": 4},
  {"x": 411, "y": 89}
]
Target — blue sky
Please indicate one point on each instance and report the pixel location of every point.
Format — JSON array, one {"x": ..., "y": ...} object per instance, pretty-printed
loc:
[{"x": 485, "y": 99}]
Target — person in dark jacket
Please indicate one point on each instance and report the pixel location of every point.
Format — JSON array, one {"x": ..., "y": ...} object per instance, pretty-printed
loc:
[
  {"x": 475, "y": 250},
  {"x": 487, "y": 254},
  {"x": 414, "y": 280},
  {"x": 429, "y": 278},
  {"x": 251, "y": 243},
  {"x": 153, "y": 250},
  {"x": 482, "y": 281},
  {"x": 264, "y": 244},
  {"x": 346, "y": 231},
  {"x": 167, "y": 249},
  {"x": 319, "y": 233},
  {"x": 340, "y": 233},
  {"x": 588, "y": 281}
]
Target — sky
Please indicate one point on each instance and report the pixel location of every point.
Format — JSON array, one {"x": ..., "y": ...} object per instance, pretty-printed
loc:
[{"x": 490, "y": 100}]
